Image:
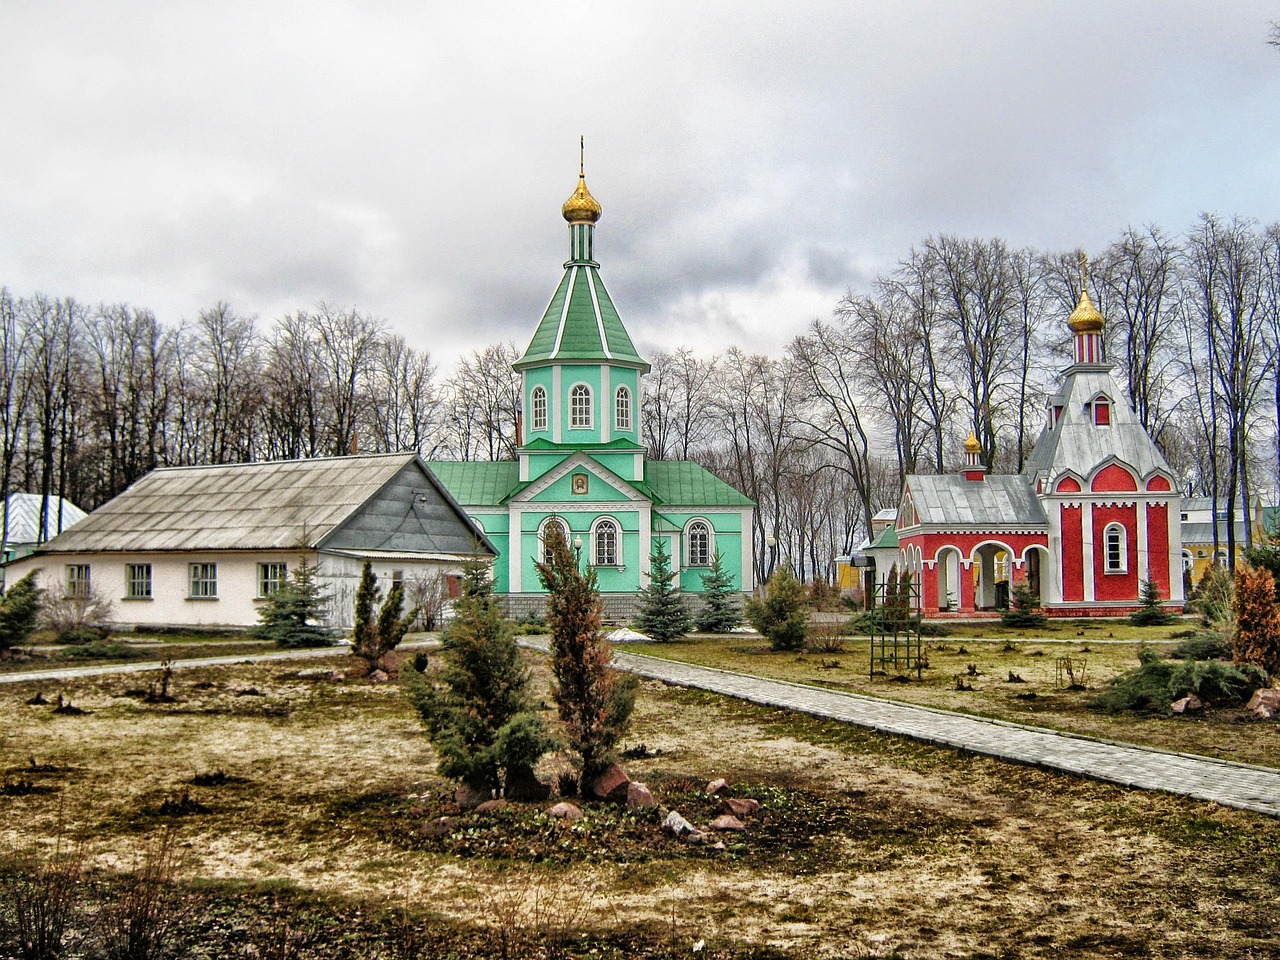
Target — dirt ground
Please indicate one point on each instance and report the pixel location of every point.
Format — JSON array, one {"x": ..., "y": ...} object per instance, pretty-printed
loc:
[{"x": 319, "y": 791}]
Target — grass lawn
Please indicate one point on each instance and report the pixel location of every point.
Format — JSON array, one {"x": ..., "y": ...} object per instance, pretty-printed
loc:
[
  {"x": 1011, "y": 679},
  {"x": 304, "y": 808}
]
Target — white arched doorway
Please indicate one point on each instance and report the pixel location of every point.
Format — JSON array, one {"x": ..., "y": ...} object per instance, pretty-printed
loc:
[{"x": 947, "y": 566}]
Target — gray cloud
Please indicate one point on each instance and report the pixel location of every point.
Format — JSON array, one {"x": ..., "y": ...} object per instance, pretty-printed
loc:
[{"x": 753, "y": 161}]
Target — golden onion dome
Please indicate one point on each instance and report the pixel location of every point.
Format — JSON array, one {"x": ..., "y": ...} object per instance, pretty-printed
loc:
[
  {"x": 1085, "y": 318},
  {"x": 971, "y": 445},
  {"x": 582, "y": 207}
]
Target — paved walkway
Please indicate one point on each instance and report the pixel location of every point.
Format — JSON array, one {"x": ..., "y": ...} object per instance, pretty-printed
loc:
[{"x": 1203, "y": 778}]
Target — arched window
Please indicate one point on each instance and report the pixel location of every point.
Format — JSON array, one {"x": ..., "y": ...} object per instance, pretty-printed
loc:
[
  {"x": 622, "y": 409},
  {"x": 538, "y": 405},
  {"x": 580, "y": 407},
  {"x": 1187, "y": 562},
  {"x": 697, "y": 544},
  {"x": 606, "y": 543},
  {"x": 1117, "y": 559},
  {"x": 542, "y": 536}
]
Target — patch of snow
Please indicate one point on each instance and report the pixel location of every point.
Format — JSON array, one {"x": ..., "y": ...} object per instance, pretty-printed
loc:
[
  {"x": 627, "y": 635},
  {"x": 743, "y": 629}
]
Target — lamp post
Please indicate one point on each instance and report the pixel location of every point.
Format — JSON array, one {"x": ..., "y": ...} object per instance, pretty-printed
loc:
[
  {"x": 772, "y": 541},
  {"x": 577, "y": 551}
]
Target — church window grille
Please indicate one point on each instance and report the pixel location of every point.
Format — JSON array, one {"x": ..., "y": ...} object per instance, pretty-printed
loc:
[
  {"x": 697, "y": 539},
  {"x": 1115, "y": 548},
  {"x": 606, "y": 544},
  {"x": 580, "y": 407},
  {"x": 539, "y": 404},
  {"x": 622, "y": 409}
]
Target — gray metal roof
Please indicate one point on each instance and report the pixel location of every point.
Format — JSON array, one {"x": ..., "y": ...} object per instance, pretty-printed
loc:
[
  {"x": 1075, "y": 443},
  {"x": 1201, "y": 533},
  {"x": 950, "y": 500},
  {"x": 243, "y": 506},
  {"x": 24, "y": 517}
]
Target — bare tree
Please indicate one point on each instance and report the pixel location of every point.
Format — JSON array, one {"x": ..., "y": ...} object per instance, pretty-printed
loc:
[
  {"x": 483, "y": 403},
  {"x": 1228, "y": 285}
]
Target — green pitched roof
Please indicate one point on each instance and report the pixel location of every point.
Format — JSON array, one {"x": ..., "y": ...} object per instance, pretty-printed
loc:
[
  {"x": 888, "y": 538},
  {"x": 478, "y": 482},
  {"x": 581, "y": 324},
  {"x": 621, "y": 445},
  {"x": 688, "y": 484}
]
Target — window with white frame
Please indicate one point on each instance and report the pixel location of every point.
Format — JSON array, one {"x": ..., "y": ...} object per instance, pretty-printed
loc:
[
  {"x": 606, "y": 543},
  {"x": 538, "y": 405},
  {"x": 203, "y": 581},
  {"x": 697, "y": 544},
  {"x": 137, "y": 581},
  {"x": 1114, "y": 537},
  {"x": 271, "y": 577},
  {"x": 78, "y": 583},
  {"x": 622, "y": 409},
  {"x": 542, "y": 536},
  {"x": 580, "y": 407}
]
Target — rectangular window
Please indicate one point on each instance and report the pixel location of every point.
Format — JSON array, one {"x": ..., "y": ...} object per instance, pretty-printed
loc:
[
  {"x": 204, "y": 581},
  {"x": 137, "y": 581},
  {"x": 78, "y": 580},
  {"x": 1102, "y": 414},
  {"x": 271, "y": 577}
]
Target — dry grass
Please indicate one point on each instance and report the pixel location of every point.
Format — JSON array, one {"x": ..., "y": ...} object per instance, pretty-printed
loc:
[
  {"x": 868, "y": 846},
  {"x": 1041, "y": 698}
]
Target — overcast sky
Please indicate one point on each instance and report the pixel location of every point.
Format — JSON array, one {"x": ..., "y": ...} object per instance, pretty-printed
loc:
[{"x": 754, "y": 161}]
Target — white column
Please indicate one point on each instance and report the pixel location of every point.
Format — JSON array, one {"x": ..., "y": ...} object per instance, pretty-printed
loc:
[
  {"x": 606, "y": 404},
  {"x": 1144, "y": 551},
  {"x": 515, "y": 551},
  {"x": 748, "y": 553},
  {"x": 646, "y": 544},
  {"x": 557, "y": 403},
  {"x": 1086, "y": 547}
]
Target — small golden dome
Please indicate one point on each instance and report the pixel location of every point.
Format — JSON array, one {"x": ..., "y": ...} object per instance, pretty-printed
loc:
[
  {"x": 971, "y": 445},
  {"x": 1085, "y": 318},
  {"x": 582, "y": 207}
]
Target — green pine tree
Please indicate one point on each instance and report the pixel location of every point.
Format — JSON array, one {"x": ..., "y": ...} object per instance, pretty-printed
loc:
[
  {"x": 1151, "y": 614},
  {"x": 1025, "y": 611},
  {"x": 719, "y": 612},
  {"x": 594, "y": 701},
  {"x": 373, "y": 638},
  {"x": 482, "y": 716},
  {"x": 19, "y": 609},
  {"x": 783, "y": 616},
  {"x": 293, "y": 615},
  {"x": 663, "y": 615}
]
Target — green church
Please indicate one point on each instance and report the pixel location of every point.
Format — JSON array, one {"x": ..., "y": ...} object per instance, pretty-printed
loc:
[{"x": 580, "y": 462}]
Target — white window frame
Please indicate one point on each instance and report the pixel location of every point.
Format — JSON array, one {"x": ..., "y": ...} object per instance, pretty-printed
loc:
[
  {"x": 542, "y": 536},
  {"x": 202, "y": 581},
  {"x": 272, "y": 575},
  {"x": 79, "y": 580},
  {"x": 622, "y": 409},
  {"x": 598, "y": 530},
  {"x": 577, "y": 407},
  {"x": 1120, "y": 562},
  {"x": 137, "y": 581},
  {"x": 690, "y": 560},
  {"x": 538, "y": 407}
]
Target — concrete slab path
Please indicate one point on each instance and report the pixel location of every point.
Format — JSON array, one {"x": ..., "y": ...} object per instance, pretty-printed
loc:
[{"x": 1241, "y": 785}]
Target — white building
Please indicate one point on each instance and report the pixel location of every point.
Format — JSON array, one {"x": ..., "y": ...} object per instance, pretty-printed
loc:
[{"x": 204, "y": 546}]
